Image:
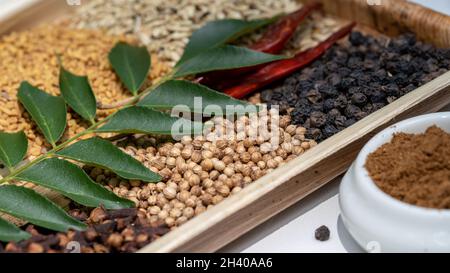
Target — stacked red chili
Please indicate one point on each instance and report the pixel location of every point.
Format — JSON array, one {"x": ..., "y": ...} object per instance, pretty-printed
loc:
[{"x": 241, "y": 82}]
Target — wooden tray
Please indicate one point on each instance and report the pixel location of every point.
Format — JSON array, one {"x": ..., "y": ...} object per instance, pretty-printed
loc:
[{"x": 295, "y": 180}]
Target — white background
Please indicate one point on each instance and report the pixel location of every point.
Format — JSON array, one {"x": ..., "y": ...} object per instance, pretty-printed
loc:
[{"x": 293, "y": 229}]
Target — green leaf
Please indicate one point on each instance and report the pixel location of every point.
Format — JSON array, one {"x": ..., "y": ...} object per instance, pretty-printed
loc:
[
  {"x": 26, "y": 204},
  {"x": 218, "y": 33},
  {"x": 13, "y": 148},
  {"x": 47, "y": 111},
  {"x": 176, "y": 92},
  {"x": 99, "y": 152},
  {"x": 77, "y": 92},
  {"x": 144, "y": 120},
  {"x": 71, "y": 181},
  {"x": 131, "y": 63},
  {"x": 11, "y": 233},
  {"x": 222, "y": 58}
]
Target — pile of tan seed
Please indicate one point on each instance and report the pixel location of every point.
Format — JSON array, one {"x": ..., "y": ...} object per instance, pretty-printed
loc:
[
  {"x": 166, "y": 25},
  {"x": 32, "y": 56},
  {"x": 198, "y": 173}
]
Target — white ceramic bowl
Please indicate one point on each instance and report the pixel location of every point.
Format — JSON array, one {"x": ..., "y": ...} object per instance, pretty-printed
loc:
[{"x": 381, "y": 223}]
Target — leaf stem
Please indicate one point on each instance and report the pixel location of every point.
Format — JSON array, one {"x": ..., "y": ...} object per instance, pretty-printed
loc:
[
  {"x": 91, "y": 129},
  {"x": 137, "y": 98}
]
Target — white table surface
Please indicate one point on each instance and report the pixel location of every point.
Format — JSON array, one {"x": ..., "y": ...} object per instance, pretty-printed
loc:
[{"x": 293, "y": 229}]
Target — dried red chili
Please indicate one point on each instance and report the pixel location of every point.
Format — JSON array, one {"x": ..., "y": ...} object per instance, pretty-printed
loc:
[
  {"x": 280, "y": 69},
  {"x": 277, "y": 35},
  {"x": 273, "y": 41}
]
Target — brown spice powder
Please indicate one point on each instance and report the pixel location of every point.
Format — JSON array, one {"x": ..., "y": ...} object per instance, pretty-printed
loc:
[{"x": 414, "y": 168}]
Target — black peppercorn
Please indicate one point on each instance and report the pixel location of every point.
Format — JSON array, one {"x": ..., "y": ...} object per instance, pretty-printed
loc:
[
  {"x": 322, "y": 234},
  {"x": 351, "y": 81}
]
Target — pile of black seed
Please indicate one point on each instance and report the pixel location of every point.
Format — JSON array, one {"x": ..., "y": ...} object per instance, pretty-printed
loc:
[
  {"x": 112, "y": 231},
  {"x": 353, "y": 80}
]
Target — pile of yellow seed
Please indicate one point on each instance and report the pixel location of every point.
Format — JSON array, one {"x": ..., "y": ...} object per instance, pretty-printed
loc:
[
  {"x": 199, "y": 173},
  {"x": 32, "y": 56}
]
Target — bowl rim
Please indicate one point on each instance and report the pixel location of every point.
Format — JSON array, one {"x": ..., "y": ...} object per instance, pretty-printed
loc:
[{"x": 364, "y": 180}]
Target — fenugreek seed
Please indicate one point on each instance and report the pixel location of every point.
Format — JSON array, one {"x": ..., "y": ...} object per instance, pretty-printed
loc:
[{"x": 170, "y": 193}]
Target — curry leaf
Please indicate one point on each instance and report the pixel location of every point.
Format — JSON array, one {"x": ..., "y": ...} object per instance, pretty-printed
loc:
[
  {"x": 176, "y": 92},
  {"x": 102, "y": 153},
  {"x": 222, "y": 58},
  {"x": 26, "y": 204},
  {"x": 9, "y": 232},
  {"x": 47, "y": 111},
  {"x": 218, "y": 33},
  {"x": 71, "y": 181},
  {"x": 147, "y": 121},
  {"x": 13, "y": 148},
  {"x": 131, "y": 63},
  {"x": 77, "y": 92}
]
